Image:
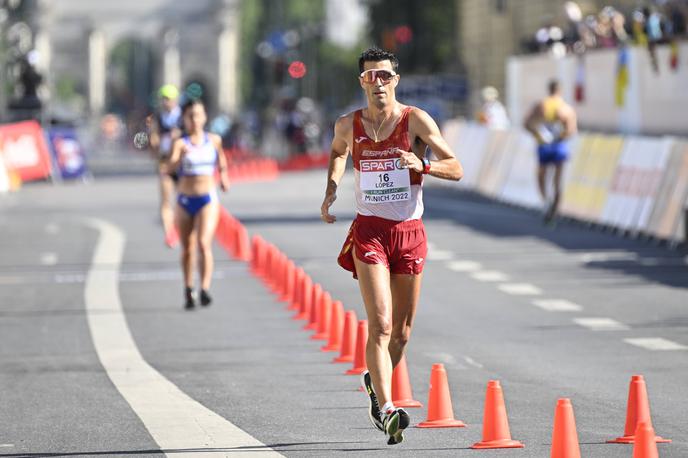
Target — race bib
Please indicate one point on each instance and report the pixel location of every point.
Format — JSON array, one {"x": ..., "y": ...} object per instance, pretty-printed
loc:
[{"x": 383, "y": 180}]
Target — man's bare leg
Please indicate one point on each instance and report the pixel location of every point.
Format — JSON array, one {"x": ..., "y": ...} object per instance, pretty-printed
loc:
[
  {"x": 374, "y": 282},
  {"x": 405, "y": 293}
]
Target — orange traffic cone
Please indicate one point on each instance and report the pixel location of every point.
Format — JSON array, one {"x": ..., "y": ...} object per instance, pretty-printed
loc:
[
  {"x": 645, "y": 445},
  {"x": 359, "y": 357},
  {"x": 440, "y": 410},
  {"x": 324, "y": 318},
  {"x": 258, "y": 258},
  {"x": 346, "y": 354},
  {"x": 402, "y": 396},
  {"x": 272, "y": 280},
  {"x": 263, "y": 254},
  {"x": 297, "y": 284},
  {"x": 268, "y": 254},
  {"x": 637, "y": 411},
  {"x": 564, "y": 434},
  {"x": 334, "y": 341},
  {"x": 255, "y": 257},
  {"x": 317, "y": 297},
  {"x": 277, "y": 286},
  {"x": 496, "y": 432},
  {"x": 288, "y": 277},
  {"x": 306, "y": 296},
  {"x": 242, "y": 243}
]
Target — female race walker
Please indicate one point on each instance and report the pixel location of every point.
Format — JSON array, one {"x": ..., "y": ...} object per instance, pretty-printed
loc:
[{"x": 196, "y": 156}]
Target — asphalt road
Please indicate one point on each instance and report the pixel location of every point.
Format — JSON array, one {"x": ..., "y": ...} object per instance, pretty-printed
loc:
[{"x": 549, "y": 312}]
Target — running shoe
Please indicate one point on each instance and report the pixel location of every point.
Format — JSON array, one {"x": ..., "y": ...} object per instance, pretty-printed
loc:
[
  {"x": 395, "y": 421},
  {"x": 205, "y": 298},
  {"x": 374, "y": 407},
  {"x": 190, "y": 302}
]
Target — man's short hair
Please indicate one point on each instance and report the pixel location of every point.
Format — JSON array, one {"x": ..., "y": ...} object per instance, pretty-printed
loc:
[
  {"x": 553, "y": 87},
  {"x": 375, "y": 54}
]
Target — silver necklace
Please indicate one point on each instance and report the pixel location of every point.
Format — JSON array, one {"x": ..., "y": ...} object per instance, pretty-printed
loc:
[{"x": 377, "y": 131}]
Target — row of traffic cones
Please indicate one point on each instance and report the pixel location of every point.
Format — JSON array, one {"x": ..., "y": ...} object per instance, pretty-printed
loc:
[
  {"x": 638, "y": 430},
  {"x": 343, "y": 333},
  {"x": 254, "y": 169},
  {"x": 339, "y": 329},
  {"x": 232, "y": 236}
]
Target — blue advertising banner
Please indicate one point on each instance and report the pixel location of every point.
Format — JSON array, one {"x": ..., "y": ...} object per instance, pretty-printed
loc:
[{"x": 67, "y": 151}]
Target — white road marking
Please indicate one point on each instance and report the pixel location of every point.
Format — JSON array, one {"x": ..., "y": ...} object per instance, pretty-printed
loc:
[
  {"x": 6, "y": 445},
  {"x": 52, "y": 228},
  {"x": 463, "y": 266},
  {"x": 472, "y": 362},
  {"x": 439, "y": 255},
  {"x": 607, "y": 256},
  {"x": 655, "y": 343},
  {"x": 520, "y": 289},
  {"x": 601, "y": 324},
  {"x": 49, "y": 259},
  {"x": 444, "y": 358},
  {"x": 557, "y": 305},
  {"x": 165, "y": 275},
  {"x": 173, "y": 419},
  {"x": 489, "y": 275}
]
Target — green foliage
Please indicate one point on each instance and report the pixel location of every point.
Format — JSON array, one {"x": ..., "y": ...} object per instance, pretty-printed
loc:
[
  {"x": 300, "y": 11},
  {"x": 65, "y": 88},
  {"x": 251, "y": 12}
]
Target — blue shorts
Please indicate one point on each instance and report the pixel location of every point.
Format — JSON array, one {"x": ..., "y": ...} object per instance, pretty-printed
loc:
[
  {"x": 193, "y": 204},
  {"x": 556, "y": 152}
]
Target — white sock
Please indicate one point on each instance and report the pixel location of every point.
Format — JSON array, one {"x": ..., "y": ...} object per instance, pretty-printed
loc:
[{"x": 388, "y": 406}]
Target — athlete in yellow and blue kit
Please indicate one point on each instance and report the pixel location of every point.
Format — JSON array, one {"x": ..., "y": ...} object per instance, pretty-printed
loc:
[{"x": 552, "y": 122}]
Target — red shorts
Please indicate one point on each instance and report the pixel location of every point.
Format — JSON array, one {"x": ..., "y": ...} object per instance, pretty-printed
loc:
[{"x": 401, "y": 246}]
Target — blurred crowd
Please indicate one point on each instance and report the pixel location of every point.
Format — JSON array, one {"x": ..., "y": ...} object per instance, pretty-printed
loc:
[{"x": 654, "y": 22}]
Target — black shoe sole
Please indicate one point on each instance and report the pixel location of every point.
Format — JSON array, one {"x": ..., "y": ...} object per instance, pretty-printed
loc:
[{"x": 376, "y": 422}]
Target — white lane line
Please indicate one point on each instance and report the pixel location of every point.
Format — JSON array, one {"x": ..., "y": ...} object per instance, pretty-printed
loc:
[
  {"x": 520, "y": 289},
  {"x": 173, "y": 275},
  {"x": 607, "y": 256},
  {"x": 52, "y": 228},
  {"x": 472, "y": 362},
  {"x": 655, "y": 343},
  {"x": 489, "y": 275},
  {"x": 557, "y": 305},
  {"x": 49, "y": 259},
  {"x": 439, "y": 255},
  {"x": 463, "y": 266},
  {"x": 444, "y": 358},
  {"x": 173, "y": 419},
  {"x": 601, "y": 324}
]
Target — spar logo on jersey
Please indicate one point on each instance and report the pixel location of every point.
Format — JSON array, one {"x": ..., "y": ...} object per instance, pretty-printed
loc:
[{"x": 380, "y": 165}]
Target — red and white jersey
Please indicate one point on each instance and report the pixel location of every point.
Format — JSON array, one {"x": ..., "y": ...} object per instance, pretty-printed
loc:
[{"x": 383, "y": 188}]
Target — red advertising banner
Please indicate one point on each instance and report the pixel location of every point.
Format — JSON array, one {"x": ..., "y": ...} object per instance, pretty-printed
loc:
[{"x": 24, "y": 150}]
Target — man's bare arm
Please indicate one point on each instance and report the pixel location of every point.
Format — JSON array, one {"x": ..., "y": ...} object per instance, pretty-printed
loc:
[
  {"x": 568, "y": 117},
  {"x": 337, "y": 164},
  {"x": 446, "y": 166}
]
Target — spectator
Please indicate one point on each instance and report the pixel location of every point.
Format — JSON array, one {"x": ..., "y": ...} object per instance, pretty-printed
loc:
[{"x": 492, "y": 113}]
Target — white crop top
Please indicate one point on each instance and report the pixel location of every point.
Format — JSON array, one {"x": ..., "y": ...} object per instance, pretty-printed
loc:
[{"x": 198, "y": 159}]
